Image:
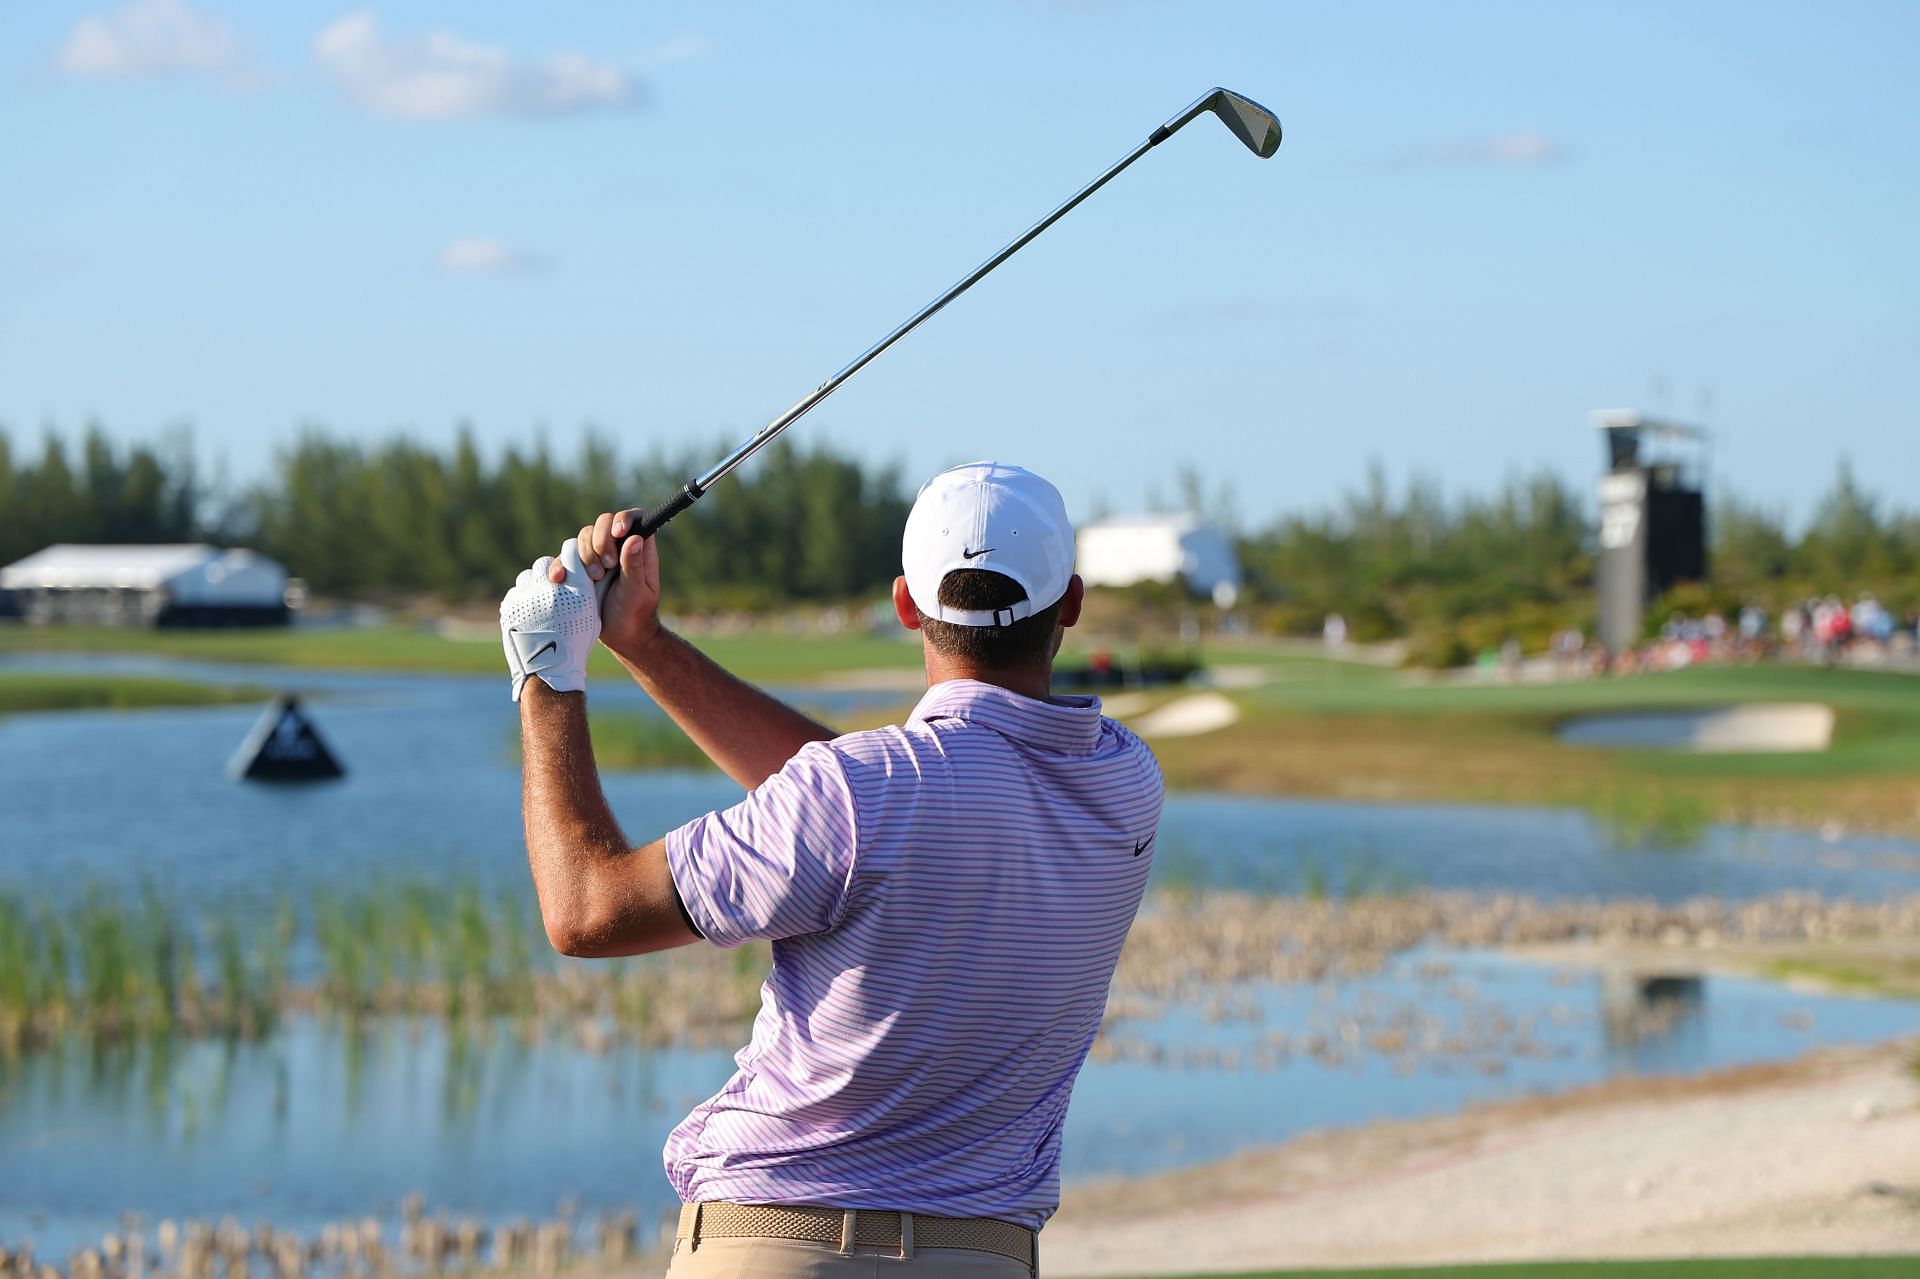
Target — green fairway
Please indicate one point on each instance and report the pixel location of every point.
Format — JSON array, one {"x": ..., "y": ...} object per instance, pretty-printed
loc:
[
  {"x": 1717, "y": 1268},
  {"x": 1320, "y": 727},
  {"x": 760, "y": 656},
  {"x": 1878, "y": 728},
  {"x": 24, "y": 692}
]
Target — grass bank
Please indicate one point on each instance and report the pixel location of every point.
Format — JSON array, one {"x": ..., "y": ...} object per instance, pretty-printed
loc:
[
  {"x": 1347, "y": 731},
  {"x": 33, "y": 692}
]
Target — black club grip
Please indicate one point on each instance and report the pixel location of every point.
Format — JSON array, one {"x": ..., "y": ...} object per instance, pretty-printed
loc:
[{"x": 653, "y": 521}]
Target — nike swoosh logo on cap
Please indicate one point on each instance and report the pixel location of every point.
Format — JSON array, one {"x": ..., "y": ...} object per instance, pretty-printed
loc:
[{"x": 965, "y": 554}]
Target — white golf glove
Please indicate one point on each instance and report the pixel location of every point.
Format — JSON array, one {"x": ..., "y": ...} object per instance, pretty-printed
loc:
[{"x": 548, "y": 630}]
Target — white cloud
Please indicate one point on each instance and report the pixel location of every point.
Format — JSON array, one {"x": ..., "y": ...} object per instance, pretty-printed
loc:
[
  {"x": 440, "y": 76},
  {"x": 680, "y": 48},
  {"x": 155, "y": 37},
  {"x": 1526, "y": 149},
  {"x": 487, "y": 255}
]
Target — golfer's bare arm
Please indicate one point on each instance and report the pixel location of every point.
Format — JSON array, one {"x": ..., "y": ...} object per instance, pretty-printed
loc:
[
  {"x": 599, "y": 895},
  {"x": 748, "y": 734}
]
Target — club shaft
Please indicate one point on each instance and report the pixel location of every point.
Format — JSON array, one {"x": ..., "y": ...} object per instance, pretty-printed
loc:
[
  {"x": 801, "y": 407},
  {"x": 695, "y": 489}
]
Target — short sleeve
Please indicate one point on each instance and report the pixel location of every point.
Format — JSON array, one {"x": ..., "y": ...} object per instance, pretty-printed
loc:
[{"x": 777, "y": 864}]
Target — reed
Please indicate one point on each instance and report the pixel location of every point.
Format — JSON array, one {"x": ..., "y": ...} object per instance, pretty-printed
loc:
[
  {"x": 115, "y": 966},
  {"x": 1653, "y": 816},
  {"x": 626, "y": 740}
]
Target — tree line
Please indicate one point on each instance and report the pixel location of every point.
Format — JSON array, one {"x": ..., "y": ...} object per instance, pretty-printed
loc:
[
  {"x": 1457, "y": 578},
  {"x": 398, "y": 519}
]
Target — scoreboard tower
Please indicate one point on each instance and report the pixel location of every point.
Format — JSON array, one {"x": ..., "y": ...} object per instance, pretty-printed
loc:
[{"x": 1653, "y": 530}]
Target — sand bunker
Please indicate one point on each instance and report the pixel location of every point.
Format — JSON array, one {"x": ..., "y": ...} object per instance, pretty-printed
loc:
[
  {"x": 1775, "y": 727},
  {"x": 1187, "y": 716}
]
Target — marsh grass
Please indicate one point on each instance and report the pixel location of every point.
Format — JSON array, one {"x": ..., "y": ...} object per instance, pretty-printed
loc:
[
  {"x": 134, "y": 972},
  {"x": 632, "y": 741},
  {"x": 414, "y": 947},
  {"x": 116, "y": 967},
  {"x": 629, "y": 740},
  {"x": 1654, "y": 816},
  {"x": 27, "y": 692},
  {"x": 1354, "y": 877}
]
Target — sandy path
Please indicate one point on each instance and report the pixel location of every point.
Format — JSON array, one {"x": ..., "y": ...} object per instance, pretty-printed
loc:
[{"x": 1821, "y": 1156}]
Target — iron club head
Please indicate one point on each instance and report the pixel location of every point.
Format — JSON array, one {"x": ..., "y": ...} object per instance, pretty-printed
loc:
[{"x": 1252, "y": 123}]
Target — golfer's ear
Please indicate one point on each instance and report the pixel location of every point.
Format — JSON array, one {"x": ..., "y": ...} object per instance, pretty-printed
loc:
[
  {"x": 1070, "y": 602},
  {"x": 903, "y": 605}
]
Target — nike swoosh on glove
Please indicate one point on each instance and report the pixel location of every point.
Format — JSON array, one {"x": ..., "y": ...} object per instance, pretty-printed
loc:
[{"x": 548, "y": 628}]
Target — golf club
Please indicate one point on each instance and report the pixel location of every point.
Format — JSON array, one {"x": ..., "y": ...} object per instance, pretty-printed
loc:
[{"x": 1252, "y": 123}]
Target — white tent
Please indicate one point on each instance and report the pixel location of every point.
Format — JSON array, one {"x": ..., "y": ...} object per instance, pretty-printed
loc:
[
  {"x": 186, "y": 585},
  {"x": 1159, "y": 548}
]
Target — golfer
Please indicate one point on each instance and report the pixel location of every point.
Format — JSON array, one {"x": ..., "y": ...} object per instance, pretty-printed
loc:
[{"x": 946, "y": 900}]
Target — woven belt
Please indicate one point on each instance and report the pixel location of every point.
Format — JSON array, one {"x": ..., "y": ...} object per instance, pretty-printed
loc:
[{"x": 845, "y": 1229}]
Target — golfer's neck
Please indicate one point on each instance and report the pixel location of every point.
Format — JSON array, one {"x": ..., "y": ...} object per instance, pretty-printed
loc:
[{"x": 1034, "y": 682}]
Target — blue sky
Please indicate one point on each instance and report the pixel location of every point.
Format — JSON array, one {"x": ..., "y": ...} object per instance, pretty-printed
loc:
[{"x": 672, "y": 220}]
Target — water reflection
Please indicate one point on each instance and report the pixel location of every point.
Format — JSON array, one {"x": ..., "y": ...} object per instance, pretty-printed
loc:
[
  {"x": 330, "y": 1118},
  {"x": 1636, "y": 1006}
]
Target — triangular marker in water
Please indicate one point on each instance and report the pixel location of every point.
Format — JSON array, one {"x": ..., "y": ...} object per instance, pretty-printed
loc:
[{"x": 284, "y": 746}]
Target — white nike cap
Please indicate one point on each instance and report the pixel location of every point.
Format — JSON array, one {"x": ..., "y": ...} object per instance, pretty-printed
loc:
[{"x": 988, "y": 515}]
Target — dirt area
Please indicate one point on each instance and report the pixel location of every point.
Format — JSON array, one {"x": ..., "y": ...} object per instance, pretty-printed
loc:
[{"x": 1820, "y": 1155}]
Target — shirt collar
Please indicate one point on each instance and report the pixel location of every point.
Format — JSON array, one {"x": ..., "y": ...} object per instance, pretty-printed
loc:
[{"x": 1070, "y": 725}]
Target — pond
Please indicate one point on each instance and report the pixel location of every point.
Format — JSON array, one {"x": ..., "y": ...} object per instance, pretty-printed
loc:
[
  {"x": 319, "y": 1121},
  {"x": 432, "y": 792}
]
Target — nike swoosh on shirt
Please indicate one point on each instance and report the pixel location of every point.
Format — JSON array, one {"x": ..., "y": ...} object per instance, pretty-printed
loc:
[{"x": 1140, "y": 845}]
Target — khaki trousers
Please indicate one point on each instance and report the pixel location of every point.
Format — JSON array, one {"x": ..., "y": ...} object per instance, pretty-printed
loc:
[{"x": 791, "y": 1259}]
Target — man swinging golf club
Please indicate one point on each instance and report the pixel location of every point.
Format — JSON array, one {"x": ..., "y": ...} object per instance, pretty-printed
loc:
[{"x": 946, "y": 899}]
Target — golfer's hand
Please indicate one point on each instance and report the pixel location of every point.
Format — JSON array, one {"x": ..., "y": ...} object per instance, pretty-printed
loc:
[
  {"x": 630, "y": 611},
  {"x": 548, "y": 622}
]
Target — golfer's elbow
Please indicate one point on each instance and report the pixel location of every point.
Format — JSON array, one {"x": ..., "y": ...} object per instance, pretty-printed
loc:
[
  {"x": 568, "y": 936},
  {"x": 567, "y": 911},
  {"x": 584, "y": 918},
  {"x": 608, "y": 935},
  {"x": 597, "y": 904}
]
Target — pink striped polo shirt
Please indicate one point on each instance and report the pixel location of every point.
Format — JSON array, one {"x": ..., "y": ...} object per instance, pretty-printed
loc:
[{"x": 946, "y": 902}]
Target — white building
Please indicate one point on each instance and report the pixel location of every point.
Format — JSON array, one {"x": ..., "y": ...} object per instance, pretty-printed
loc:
[
  {"x": 1160, "y": 548},
  {"x": 179, "y": 585}
]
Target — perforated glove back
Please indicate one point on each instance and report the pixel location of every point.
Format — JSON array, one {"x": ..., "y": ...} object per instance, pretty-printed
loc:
[{"x": 549, "y": 628}]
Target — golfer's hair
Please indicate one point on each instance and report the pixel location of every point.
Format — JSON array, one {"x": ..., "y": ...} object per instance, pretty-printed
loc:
[{"x": 1028, "y": 642}]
